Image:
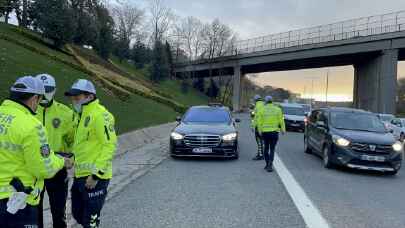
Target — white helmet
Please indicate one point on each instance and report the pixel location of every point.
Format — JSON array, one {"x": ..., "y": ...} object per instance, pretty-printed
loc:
[
  {"x": 81, "y": 86},
  {"x": 50, "y": 87}
]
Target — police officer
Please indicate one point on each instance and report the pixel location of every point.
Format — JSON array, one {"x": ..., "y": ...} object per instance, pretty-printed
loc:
[
  {"x": 58, "y": 120},
  {"x": 270, "y": 122},
  {"x": 25, "y": 156},
  {"x": 94, "y": 147},
  {"x": 258, "y": 106}
]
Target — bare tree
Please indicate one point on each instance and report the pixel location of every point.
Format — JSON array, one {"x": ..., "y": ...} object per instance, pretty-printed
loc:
[
  {"x": 161, "y": 19},
  {"x": 190, "y": 31},
  {"x": 129, "y": 20}
]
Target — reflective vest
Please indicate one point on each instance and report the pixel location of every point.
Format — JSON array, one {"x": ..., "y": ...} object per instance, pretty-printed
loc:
[
  {"x": 24, "y": 151},
  {"x": 59, "y": 121},
  {"x": 258, "y": 106},
  {"x": 95, "y": 142},
  {"x": 270, "y": 119}
]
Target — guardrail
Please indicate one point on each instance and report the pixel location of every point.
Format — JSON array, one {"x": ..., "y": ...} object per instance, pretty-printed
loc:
[{"x": 349, "y": 29}]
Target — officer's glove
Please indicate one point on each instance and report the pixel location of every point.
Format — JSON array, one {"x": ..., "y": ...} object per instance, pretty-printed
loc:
[{"x": 91, "y": 182}]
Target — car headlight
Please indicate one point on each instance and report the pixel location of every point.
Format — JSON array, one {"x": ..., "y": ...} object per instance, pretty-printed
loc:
[
  {"x": 230, "y": 137},
  {"x": 397, "y": 146},
  {"x": 176, "y": 136},
  {"x": 340, "y": 141}
]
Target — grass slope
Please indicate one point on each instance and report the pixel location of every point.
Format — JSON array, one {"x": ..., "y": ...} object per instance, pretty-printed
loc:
[{"x": 16, "y": 61}]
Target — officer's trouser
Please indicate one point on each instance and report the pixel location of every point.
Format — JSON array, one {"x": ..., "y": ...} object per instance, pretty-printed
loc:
[
  {"x": 27, "y": 217},
  {"x": 259, "y": 141},
  {"x": 270, "y": 142},
  {"x": 57, "y": 189},
  {"x": 87, "y": 204}
]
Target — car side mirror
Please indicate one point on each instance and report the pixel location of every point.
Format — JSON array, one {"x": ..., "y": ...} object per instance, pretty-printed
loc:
[
  {"x": 237, "y": 120},
  {"x": 178, "y": 119}
]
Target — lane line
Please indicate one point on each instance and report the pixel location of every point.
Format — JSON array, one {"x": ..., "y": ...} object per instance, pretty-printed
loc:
[{"x": 310, "y": 213}]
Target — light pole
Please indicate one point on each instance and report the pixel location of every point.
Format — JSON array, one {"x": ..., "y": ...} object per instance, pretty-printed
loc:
[{"x": 327, "y": 87}]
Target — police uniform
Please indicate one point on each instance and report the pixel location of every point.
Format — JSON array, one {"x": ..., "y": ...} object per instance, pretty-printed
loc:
[
  {"x": 270, "y": 122},
  {"x": 25, "y": 158},
  {"x": 94, "y": 147},
  {"x": 59, "y": 121},
  {"x": 258, "y": 106}
]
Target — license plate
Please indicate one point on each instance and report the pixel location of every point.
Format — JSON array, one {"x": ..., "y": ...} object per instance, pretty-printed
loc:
[
  {"x": 373, "y": 158},
  {"x": 202, "y": 150},
  {"x": 295, "y": 125}
]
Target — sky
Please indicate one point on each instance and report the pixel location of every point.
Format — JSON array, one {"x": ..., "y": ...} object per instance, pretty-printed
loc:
[{"x": 252, "y": 18}]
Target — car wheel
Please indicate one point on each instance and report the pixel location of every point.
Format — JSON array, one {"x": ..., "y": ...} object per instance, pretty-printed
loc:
[
  {"x": 307, "y": 148},
  {"x": 402, "y": 137},
  {"x": 327, "y": 158}
]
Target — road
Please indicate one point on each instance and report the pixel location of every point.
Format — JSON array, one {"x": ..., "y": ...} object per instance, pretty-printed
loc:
[{"x": 216, "y": 193}]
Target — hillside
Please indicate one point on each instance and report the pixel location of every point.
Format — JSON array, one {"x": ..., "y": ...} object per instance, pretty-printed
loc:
[{"x": 135, "y": 103}]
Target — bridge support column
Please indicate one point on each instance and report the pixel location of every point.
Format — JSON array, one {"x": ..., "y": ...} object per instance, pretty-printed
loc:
[
  {"x": 236, "y": 88},
  {"x": 375, "y": 83}
]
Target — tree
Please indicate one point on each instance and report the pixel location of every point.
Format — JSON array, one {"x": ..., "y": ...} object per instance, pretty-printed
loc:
[
  {"x": 189, "y": 30},
  {"x": 105, "y": 27},
  {"x": 54, "y": 18},
  {"x": 128, "y": 19},
  {"x": 140, "y": 54},
  {"x": 85, "y": 18},
  {"x": 7, "y": 7},
  {"x": 169, "y": 57},
  {"x": 160, "y": 66},
  {"x": 161, "y": 18}
]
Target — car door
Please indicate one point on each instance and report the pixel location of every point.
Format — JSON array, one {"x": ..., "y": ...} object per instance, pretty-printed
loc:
[
  {"x": 311, "y": 129},
  {"x": 320, "y": 130}
]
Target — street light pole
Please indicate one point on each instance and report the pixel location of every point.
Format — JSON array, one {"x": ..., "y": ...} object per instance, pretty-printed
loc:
[{"x": 327, "y": 86}]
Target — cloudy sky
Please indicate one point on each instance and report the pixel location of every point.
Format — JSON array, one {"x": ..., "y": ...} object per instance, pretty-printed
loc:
[{"x": 250, "y": 18}]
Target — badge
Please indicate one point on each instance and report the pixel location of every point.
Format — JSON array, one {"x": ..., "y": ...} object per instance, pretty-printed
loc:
[
  {"x": 87, "y": 121},
  {"x": 43, "y": 78},
  {"x": 56, "y": 122},
  {"x": 45, "y": 150}
]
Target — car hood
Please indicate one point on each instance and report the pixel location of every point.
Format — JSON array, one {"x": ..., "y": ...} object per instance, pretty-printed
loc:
[
  {"x": 366, "y": 137},
  {"x": 214, "y": 129},
  {"x": 294, "y": 117}
]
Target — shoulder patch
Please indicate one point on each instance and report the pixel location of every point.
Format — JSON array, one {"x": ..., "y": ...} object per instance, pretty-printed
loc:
[
  {"x": 45, "y": 150},
  {"x": 56, "y": 122}
]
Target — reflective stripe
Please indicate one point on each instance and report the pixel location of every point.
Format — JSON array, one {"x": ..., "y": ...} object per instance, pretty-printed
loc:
[{"x": 7, "y": 189}]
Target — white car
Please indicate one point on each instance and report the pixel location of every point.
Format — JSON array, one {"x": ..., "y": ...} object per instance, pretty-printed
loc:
[
  {"x": 398, "y": 128},
  {"x": 294, "y": 116}
]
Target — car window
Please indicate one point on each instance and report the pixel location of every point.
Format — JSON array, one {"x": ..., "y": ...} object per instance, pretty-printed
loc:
[
  {"x": 356, "y": 121},
  {"x": 296, "y": 111},
  {"x": 207, "y": 115},
  {"x": 386, "y": 118}
]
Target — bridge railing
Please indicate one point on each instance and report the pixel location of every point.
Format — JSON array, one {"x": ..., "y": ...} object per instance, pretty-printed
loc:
[
  {"x": 349, "y": 29},
  {"x": 366, "y": 26}
]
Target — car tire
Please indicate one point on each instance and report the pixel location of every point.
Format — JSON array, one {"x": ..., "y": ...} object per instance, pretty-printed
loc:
[
  {"x": 307, "y": 148},
  {"x": 327, "y": 163}
]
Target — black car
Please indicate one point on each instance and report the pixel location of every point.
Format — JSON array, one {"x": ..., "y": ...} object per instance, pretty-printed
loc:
[
  {"x": 205, "y": 131},
  {"x": 352, "y": 138}
]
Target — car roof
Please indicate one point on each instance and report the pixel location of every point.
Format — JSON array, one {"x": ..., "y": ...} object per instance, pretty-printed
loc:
[
  {"x": 210, "y": 107},
  {"x": 342, "y": 109},
  {"x": 291, "y": 105},
  {"x": 383, "y": 114}
]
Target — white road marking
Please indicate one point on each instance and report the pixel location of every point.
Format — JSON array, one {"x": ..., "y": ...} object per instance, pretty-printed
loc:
[{"x": 310, "y": 213}]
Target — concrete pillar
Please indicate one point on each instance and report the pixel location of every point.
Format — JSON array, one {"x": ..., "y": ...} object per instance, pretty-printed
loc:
[
  {"x": 375, "y": 83},
  {"x": 236, "y": 88}
]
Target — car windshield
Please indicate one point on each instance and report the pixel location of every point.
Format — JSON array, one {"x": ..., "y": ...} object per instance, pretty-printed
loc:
[
  {"x": 207, "y": 115},
  {"x": 306, "y": 108},
  {"x": 357, "y": 121},
  {"x": 295, "y": 111},
  {"x": 386, "y": 118}
]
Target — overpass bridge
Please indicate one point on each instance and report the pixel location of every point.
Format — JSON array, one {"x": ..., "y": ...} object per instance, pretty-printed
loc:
[{"x": 373, "y": 45}]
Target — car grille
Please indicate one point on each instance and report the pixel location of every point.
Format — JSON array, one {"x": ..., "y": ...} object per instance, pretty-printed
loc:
[
  {"x": 202, "y": 140},
  {"x": 368, "y": 148}
]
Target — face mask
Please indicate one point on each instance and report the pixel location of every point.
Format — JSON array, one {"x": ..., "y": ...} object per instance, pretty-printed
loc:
[
  {"x": 48, "y": 97},
  {"x": 78, "y": 106}
]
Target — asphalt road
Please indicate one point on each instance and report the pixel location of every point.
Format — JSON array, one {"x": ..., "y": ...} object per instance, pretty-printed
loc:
[{"x": 215, "y": 193}]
